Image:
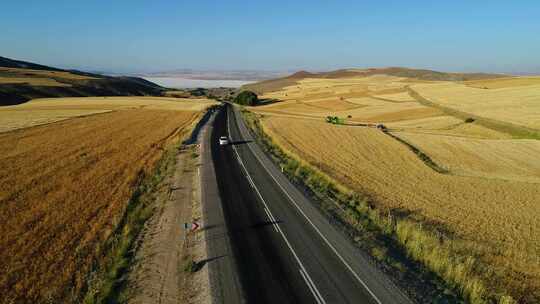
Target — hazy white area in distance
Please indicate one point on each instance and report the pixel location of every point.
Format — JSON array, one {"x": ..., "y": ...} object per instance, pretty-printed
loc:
[{"x": 182, "y": 83}]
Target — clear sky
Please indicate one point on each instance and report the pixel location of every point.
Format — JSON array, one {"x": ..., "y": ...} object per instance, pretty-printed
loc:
[{"x": 133, "y": 35}]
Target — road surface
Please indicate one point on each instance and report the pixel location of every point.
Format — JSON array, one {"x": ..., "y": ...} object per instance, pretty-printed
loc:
[{"x": 276, "y": 246}]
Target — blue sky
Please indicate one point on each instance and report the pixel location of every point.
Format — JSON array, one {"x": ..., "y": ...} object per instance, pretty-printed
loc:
[{"x": 130, "y": 36}]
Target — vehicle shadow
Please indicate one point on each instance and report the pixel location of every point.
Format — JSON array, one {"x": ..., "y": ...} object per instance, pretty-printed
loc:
[
  {"x": 246, "y": 229},
  {"x": 240, "y": 142}
]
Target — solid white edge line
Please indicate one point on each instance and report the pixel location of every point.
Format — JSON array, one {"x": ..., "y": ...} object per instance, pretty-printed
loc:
[
  {"x": 317, "y": 294},
  {"x": 315, "y": 227}
]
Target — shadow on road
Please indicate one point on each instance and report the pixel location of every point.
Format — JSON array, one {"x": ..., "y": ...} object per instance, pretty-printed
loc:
[
  {"x": 240, "y": 142},
  {"x": 200, "y": 264},
  {"x": 258, "y": 225},
  {"x": 195, "y": 134}
]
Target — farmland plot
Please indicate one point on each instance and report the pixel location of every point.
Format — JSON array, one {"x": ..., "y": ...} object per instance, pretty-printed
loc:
[
  {"x": 519, "y": 105},
  {"x": 64, "y": 188},
  {"x": 492, "y": 159},
  {"x": 495, "y": 219},
  {"x": 47, "y": 110}
]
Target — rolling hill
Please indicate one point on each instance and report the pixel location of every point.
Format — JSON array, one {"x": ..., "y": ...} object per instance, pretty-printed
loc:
[
  {"x": 418, "y": 74},
  {"x": 22, "y": 81}
]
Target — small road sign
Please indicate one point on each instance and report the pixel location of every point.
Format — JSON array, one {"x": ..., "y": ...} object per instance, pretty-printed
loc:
[{"x": 191, "y": 226}]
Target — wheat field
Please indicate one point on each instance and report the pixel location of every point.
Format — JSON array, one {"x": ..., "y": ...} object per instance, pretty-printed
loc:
[
  {"x": 64, "y": 187},
  {"x": 519, "y": 105},
  {"x": 495, "y": 219},
  {"x": 510, "y": 159},
  {"x": 47, "y": 110}
]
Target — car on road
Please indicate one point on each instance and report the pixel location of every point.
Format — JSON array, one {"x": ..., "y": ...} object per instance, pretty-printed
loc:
[{"x": 223, "y": 141}]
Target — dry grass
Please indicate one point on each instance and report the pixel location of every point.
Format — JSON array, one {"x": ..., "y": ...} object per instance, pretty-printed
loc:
[
  {"x": 44, "y": 82},
  {"x": 65, "y": 186},
  {"x": 519, "y": 105},
  {"x": 47, "y": 110},
  {"x": 29, "y": 73},
  {"x": 494, "y": 220}
]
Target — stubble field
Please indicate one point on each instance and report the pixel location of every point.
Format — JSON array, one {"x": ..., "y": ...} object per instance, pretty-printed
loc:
[
  {"x": 487, "y": 198},
  {"x": 65, "y": 186}
]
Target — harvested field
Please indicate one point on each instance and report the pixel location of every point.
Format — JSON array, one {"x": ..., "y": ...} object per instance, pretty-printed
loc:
[
  {"x": 503, "y": 82},
  {"x": 511, "y": 159},
  {"x": 64, "y": 188},
  {"x": 47, "y": 110},
  {"x": 519, "y": 105},
  {"x": 397, "y": 97},
  {"x": 446, "y": 125},
  {"x": 430, "y": 123},
  {"x": 372, "y": 110},
  {"x": 493, "y": 219},
  {"x": 413, "y": 113}
]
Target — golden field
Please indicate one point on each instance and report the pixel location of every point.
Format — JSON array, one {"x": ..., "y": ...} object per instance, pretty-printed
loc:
[
  {"x": 519, "y": 105},
  {"x": 487, "y": 200},
  {"x": 47, "y": 110},
  {"x": 64, "y": 186}
]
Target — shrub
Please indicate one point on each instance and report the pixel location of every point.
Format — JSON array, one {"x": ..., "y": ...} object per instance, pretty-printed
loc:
[
  {"x": 246, "y": 98},
  {"x": 191, "y": 266}
]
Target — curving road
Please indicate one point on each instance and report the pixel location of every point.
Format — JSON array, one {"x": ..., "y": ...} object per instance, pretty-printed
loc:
[{"x": 269, "y": 243}]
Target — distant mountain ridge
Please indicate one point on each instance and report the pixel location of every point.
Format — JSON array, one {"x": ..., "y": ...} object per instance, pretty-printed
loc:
[
  {"x": 420, "y": 74},
  {"x": 21, "y": 81}
]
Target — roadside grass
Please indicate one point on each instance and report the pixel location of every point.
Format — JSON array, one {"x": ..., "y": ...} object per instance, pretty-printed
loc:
[
  {"x": 413, "y": 250},
  {"x": 107, "y": 280}
]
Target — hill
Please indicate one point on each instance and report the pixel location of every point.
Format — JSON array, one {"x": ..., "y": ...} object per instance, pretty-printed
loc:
[
  {"x": 22, "y": 81},
  {"x": 418, "y": 74}
]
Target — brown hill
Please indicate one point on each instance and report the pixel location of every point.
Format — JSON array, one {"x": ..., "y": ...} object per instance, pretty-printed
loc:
[
  {"x": 21, "y": 81},
  {"x": 420, "y": 74}
]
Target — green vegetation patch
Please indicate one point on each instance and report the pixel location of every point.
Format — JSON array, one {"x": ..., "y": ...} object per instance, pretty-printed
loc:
[{"x": 246, "y": 98}]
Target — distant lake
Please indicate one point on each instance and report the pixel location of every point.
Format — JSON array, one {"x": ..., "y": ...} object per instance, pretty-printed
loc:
[{"x": 183, "y": 83}]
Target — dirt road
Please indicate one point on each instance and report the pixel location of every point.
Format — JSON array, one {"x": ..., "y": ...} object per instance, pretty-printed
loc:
[{"x": 158, "y": 275}]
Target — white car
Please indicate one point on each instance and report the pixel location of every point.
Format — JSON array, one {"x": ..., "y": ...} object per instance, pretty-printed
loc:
[{"x": 223, "y": 140}]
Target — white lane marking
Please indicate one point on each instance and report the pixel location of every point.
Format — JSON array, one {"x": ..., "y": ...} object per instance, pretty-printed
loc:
[
  {"x": 315, "y": 227},
  {"x": 272, "y": 219},
  {"x": 313, "y": 287},
  {"x": 309, "y": 285}
]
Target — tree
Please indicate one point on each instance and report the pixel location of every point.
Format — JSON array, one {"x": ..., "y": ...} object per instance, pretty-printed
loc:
[{"x": 246, "y": 98}]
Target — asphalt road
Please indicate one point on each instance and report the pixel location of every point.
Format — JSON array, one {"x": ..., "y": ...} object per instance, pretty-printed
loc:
[{"x": 277, "y": 247}]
